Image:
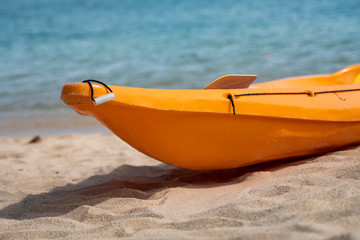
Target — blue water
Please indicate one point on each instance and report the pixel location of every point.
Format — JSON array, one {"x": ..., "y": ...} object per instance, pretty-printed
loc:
[{"x": 45, "y": 44}]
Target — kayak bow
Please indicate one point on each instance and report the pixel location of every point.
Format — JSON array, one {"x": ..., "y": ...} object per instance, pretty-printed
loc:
[{"x": 216, "y": 128}]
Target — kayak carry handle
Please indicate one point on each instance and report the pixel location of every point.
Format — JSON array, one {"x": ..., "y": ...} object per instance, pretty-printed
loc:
[{"x": 102, "y": 99}]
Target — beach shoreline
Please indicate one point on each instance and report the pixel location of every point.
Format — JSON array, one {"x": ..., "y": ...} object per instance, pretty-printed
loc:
[
  {"x": 52, "y": 123},
  {"x": 66, "y": 176},
  {"x": 96, "y": 186}
]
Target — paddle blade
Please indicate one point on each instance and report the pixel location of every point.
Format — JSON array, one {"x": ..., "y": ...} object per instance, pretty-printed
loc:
[{"x": 232, "y": 81}]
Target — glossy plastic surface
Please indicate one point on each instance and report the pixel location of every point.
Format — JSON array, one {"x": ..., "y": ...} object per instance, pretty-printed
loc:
[{"x": 196, "y": 129}]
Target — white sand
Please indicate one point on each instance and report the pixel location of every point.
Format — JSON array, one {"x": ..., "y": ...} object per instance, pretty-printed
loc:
[{"x": 95, "y": 186}]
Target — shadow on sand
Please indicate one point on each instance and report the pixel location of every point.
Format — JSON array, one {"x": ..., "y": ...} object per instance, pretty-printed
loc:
[{"x": 140, "y": 182}]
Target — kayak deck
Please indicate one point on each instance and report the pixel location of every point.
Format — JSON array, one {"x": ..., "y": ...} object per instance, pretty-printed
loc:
[{"x": 197, "y": 129}]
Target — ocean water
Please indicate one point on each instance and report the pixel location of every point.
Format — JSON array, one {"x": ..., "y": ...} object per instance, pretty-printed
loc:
[{"x": 45, "y": 44}]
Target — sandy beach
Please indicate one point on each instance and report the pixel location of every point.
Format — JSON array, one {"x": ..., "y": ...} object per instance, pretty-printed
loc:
[
  {"x": 96, "y": 186},
  {"x": 79, "y": 181}
]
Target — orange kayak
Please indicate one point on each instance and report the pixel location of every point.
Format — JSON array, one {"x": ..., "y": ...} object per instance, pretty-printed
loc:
[{"x": 226, "y": 126}]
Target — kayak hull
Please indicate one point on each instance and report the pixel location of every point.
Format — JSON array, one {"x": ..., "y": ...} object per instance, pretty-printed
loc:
[{"x": 210, "y": 140}]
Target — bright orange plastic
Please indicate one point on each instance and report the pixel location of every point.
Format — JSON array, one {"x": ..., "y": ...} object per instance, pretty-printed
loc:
[{"x": 197, "y": 129}]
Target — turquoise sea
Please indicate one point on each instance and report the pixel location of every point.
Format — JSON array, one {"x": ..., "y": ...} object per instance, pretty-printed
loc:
[{"x": 45, "y": 44}]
